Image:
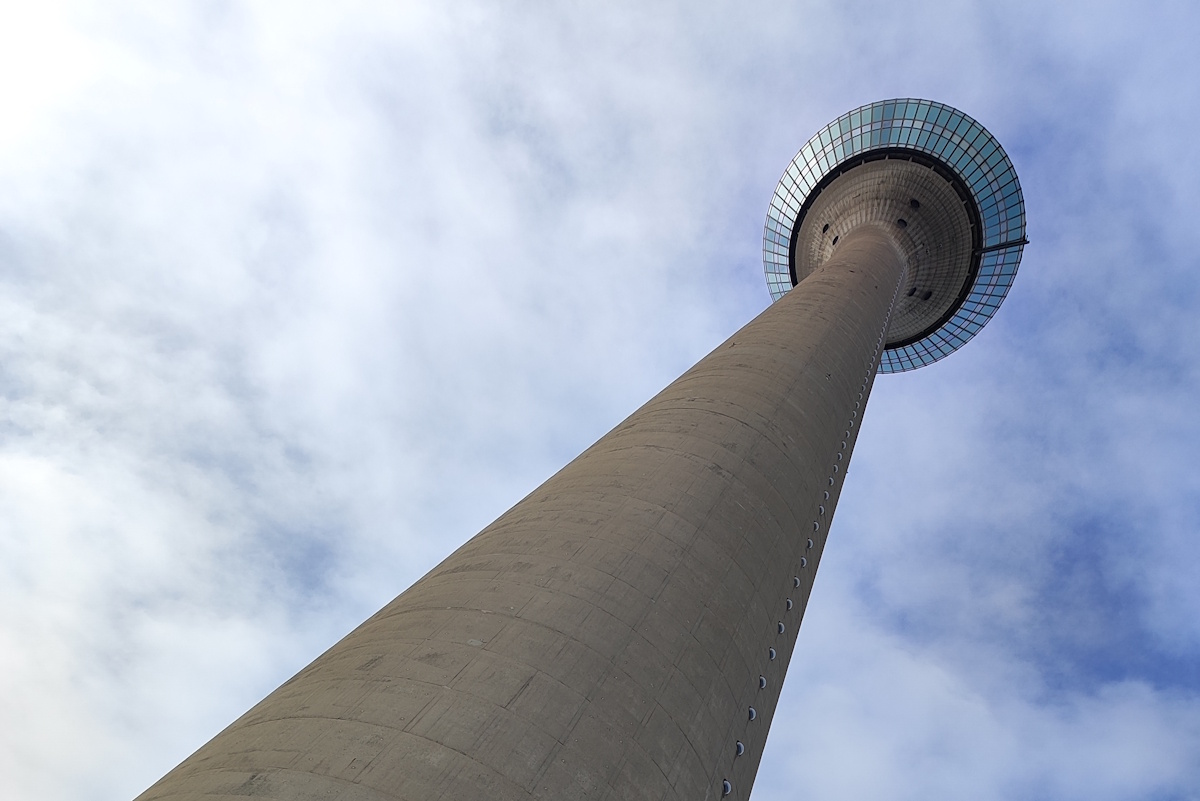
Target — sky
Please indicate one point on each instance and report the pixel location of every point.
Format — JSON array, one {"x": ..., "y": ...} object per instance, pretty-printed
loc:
[{"x": 295, "y": 298}]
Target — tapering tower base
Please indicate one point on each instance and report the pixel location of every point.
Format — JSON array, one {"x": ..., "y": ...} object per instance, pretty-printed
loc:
[{"x": 623, "y": 631}]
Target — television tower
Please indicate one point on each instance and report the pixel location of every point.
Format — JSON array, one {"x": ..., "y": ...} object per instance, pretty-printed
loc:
[{"x": 623, "y": 632}]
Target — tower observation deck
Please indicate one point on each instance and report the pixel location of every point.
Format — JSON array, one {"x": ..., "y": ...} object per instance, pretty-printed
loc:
[{"x": 623, "y": 632}]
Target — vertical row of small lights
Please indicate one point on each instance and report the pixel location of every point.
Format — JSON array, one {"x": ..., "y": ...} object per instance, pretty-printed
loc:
[
  {"x": 959, "y": 142},
  {"x": 739, "y": 747}
]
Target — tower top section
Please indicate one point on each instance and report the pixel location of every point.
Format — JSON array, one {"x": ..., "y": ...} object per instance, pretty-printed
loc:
[{"x": 944, "y": 189}]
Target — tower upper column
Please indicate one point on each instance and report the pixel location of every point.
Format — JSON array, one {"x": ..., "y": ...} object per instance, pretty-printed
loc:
[{"x": 942, "y": 188}]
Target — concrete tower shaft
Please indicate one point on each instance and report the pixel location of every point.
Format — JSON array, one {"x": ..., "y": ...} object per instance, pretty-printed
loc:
[
  {"x": 623, "y": 632},
  {"x": 609, "y": 635}
]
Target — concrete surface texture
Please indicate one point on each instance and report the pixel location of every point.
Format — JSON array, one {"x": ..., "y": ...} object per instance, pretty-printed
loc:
[{"x": 623, "y": 632}]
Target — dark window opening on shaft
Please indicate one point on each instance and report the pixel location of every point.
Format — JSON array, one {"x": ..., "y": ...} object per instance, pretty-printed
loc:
[{"x": 926, "y": 295}]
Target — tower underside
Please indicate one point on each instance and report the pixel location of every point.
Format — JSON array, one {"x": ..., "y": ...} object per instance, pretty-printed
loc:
[
  {"x": 948, "y": 299},
  {"x": 622, "y": 629},
  {"x": 930, "y": 217}
]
